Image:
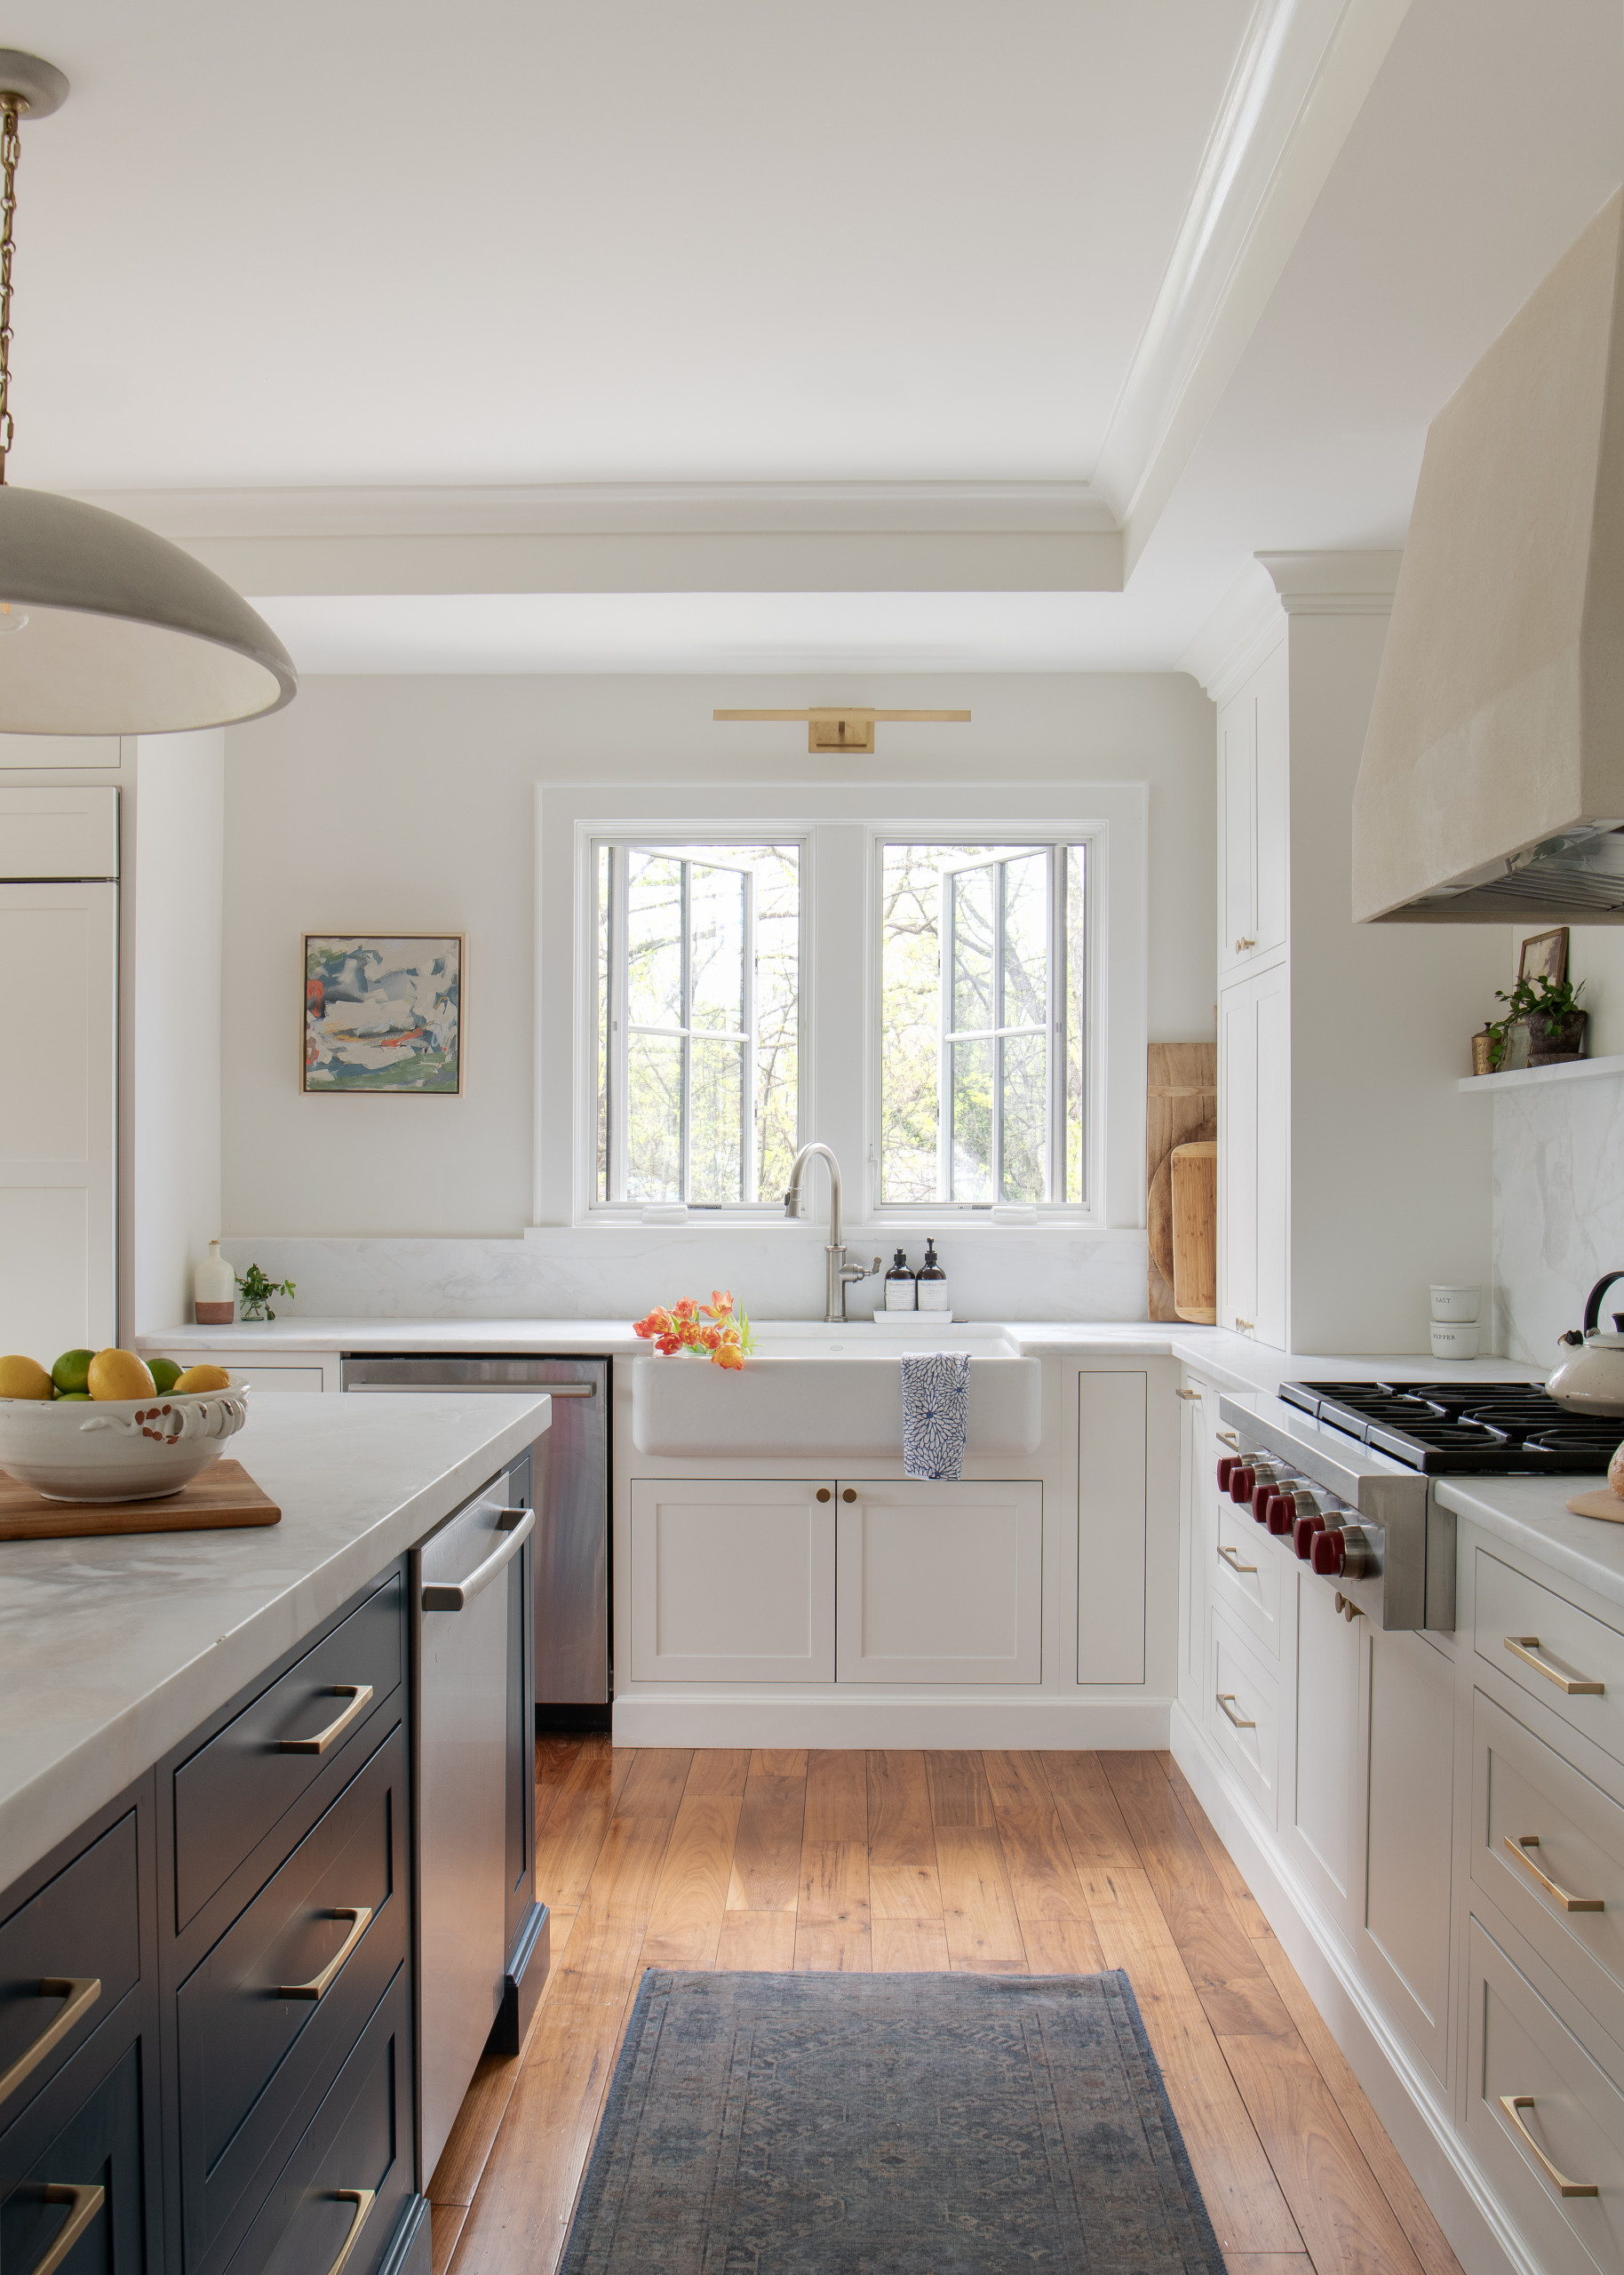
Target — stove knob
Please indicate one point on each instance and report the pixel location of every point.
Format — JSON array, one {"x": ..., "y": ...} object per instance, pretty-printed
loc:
[
  {"x": 1327, "y": 1552},
  {"x": 1243, "y": 1482},
  {"x": 1282, "y": 1515},
  {"x": 1302, "y": 1534},
  {"x": 1263, "y": 1501},
  {"x": 1356, "y": 1558},
  {"x": 1226, "y": 1470}
]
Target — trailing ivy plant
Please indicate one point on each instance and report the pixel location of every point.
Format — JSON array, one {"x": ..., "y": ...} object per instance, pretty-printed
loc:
[
  {"x": 256, "y": 1291},
  {"x": 1554, "y": 1001}
]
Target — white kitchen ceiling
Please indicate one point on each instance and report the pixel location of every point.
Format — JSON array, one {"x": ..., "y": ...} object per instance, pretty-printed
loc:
[{"x": 343, "y": 308}]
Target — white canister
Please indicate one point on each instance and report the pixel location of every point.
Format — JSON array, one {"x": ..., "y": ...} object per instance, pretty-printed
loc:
[
  {"x": 1458, "y": 1305},
  {"x": 1454, "y": 1338}
]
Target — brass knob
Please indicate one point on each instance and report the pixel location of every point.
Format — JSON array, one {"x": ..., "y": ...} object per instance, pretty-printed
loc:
[
  {"x": 849, "y": 1495},
  {"x": 824, "y": 1493}
]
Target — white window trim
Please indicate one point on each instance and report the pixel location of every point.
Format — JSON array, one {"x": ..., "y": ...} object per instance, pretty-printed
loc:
[{"x": 840, "y": 1079}]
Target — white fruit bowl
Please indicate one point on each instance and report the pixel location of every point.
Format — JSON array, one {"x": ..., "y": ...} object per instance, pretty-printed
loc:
[{"x": 117, "y": 1449}]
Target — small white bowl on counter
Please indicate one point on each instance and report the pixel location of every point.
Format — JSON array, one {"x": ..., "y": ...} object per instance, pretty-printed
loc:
[{"x": 118, "y": 1449}]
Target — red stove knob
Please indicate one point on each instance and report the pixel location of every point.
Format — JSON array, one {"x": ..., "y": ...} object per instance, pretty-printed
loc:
[
  {"x": 1282, "y": 1513},
  {"x": 1226, "y": 1470},
  {"x": 1263, "y": 1501},
  {"x": 1242, "y": 1483},
  {"x": 1328, "y": 1552},
  {"x": 1302, "y": 1534}
]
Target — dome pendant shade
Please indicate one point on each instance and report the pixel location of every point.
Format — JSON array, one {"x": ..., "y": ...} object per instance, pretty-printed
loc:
[{"x": 108, "y": 629}]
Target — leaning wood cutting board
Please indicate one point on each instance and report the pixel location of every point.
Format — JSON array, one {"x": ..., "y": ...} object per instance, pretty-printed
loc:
[
  {"x": 1195, "y": 1232},
  {"x": 222, "y": 1496},
  {"x": 1605, "y": 1505},
  {"x": 1180, "y": 1108}
]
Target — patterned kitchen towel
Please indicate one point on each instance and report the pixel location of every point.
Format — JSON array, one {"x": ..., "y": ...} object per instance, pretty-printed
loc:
[{"x": 935, "y": 1396}]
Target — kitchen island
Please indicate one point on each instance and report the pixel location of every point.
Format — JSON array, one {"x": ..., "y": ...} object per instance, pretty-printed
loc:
[{"x": 209, "y": 1785}]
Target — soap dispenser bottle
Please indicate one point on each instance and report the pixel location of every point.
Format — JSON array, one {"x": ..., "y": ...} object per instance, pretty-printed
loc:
[
  {"x": 932, "y": 1282},
  {"x": 214, "y": 1290},
  {"x": 900, "y": 1289}
]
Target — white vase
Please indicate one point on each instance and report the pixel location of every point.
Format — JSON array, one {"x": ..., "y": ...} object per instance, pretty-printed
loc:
[{"x": 214, "y": 1290}]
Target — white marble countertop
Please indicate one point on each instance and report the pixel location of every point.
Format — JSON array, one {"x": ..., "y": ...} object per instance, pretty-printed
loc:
[
  {"x": 113, "y": 1649},
  {"x": 1532, "y": 1513},
  {"x": 1232, "y": 1361}
]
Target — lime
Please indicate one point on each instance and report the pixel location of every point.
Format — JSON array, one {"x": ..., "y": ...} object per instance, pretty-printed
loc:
[
  {"x": 165, "y": 1374},
  {"x": 67, "y": 1397},
  {"x": 72, "y": 1370}
]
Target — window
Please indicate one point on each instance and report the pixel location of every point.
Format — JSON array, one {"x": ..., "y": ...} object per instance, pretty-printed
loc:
[
  {"x": 982, "y": 1043},
  {"x": 699, "y": 1021}
]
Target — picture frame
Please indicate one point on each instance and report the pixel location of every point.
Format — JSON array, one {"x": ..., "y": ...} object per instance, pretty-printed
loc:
[
  {"x": 383, "y": 1014},
  {"x": 1545, "y": 956}
]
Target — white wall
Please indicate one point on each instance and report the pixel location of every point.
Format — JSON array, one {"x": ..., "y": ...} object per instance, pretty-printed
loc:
[
  {"x": 173, "y": 1023},
  {"x": 407, "y": 804}
]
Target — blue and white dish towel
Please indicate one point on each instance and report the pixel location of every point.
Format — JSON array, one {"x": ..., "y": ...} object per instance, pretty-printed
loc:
[{"x": 935, "y": 1396}]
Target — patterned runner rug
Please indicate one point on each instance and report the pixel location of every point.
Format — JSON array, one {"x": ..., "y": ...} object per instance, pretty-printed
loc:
[{"x": 889, "y": 2125}]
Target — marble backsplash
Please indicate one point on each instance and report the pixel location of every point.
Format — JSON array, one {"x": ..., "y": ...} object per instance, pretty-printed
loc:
[
  {"x": 1558, "y": 1207},
  {"x": 619, "y": 1272}
]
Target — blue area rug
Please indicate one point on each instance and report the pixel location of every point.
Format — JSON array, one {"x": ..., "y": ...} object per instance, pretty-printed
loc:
[{"x": 889, "y": 2125}]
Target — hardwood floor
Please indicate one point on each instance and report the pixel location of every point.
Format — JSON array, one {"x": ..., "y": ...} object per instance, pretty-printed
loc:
[{"x": 1004, "y": 1864}]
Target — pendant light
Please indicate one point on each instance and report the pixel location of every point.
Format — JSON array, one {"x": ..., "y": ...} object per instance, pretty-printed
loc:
[{"x": 106, "y": 628}]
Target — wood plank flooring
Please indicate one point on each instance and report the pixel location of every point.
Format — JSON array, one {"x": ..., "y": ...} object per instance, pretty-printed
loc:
[{"x": 1001, "y": 1863}]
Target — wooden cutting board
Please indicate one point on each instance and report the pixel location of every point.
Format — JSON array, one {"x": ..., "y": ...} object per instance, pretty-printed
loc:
[
  {"x": 222, "y": 1496},
  {"x": 1195, "y": 1232},
  {"x": 1180, "y": 1107},
  {"x": 1606, "y": 1504}
]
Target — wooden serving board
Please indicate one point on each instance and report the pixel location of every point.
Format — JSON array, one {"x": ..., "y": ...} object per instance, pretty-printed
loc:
[
  {"x": 221, "y": 1498},
  {"x": 1606, "y": 1504},
  {"x": 1181, "y": 1106},
  {"x": 1195, "y": 1232}
]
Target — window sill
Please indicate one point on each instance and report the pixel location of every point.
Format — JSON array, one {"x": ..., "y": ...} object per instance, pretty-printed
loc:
[{"x": 943, "y": 1224}]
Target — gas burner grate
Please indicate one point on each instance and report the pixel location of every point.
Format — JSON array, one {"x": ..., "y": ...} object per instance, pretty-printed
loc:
[{"x": 1463, "y": 1429}]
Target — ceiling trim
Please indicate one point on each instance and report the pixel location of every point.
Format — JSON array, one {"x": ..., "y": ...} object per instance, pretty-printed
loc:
[
  {"x": 591, "y": 509},
  {"x": 1334, "y": 583},
  {"x": 1246, "y": 625},
  {"x": 1300, "y": 80}
]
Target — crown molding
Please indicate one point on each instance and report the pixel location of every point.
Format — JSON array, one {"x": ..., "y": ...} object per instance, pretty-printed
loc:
[
  {"x": 1247, "y": 623},
  {"x": 1299, "y": 83},
  {"x": 1333, "y": 584},
  {"x": 621, "y": 508}
]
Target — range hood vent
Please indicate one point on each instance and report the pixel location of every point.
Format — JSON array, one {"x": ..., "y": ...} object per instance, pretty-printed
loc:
[{"x": 1491, "y": 784}]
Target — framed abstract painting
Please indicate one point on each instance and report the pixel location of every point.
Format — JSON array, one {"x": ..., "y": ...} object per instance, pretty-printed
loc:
[{"x": 383, "y": 1011}]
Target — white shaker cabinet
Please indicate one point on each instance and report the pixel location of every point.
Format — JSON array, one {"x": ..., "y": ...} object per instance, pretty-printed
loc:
[
  {"x": 939, "y": 1583},
  {"x": 1252, "y": 818},
  {"x": 732, "y": 1580},
  {"x": 1255, "y": 1154}
]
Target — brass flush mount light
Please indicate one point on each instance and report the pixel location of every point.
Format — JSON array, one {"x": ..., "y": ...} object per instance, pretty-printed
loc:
[
  {"x": 843, "y": 726},
  {"x": 106, "y": 629}
]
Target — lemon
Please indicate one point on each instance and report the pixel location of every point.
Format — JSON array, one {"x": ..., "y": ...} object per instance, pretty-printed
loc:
[
  {"x": 203, "y": 1378},
  {"x": 165, "y": 1374},
  {"x": 71, "y": 1369},
  {"x": 118, "y": 1374},
  {"x": 22, "y": 1377}
]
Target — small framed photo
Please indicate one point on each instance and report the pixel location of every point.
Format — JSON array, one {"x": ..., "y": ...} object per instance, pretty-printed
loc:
[
  {"x": 383, "y": 1011},
  {"x": 1545, "y": 956}
]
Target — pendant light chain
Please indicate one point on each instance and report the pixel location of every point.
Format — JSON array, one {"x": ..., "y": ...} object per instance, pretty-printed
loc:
[{"x": 11, "y": 150}]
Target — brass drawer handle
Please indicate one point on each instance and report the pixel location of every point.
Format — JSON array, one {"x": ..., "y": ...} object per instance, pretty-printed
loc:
[
  {"x": 1224, "y": 1697},
  {"x": 81, "y": 1993},
  {"x": 1511, "y": 2104},
  {"x": 1526, "y": 1647},
  {"x": 1519, "y": 1848},
  {"x": 1233, "y": 1559},
  {"x": 361, "y": 1915},
  {"x": 1227, "y": 1438},
  {"x": 1187, "y": 1393},
  {"x": 359, "y": 1694},
  {"x": 362, "y": 2201},
  {"x": 87, "y": 2200}
]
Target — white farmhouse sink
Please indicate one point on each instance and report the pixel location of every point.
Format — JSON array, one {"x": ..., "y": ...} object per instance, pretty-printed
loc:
[{"x": 817, "y": 1392}]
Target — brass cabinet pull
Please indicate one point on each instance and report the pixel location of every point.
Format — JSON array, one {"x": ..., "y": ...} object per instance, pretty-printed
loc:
[
  {"x": 87, "y": 2200},
  {"x": 1187, "y": 1393},
  {"x": 1224, "y": 1697},
  {"x": 1233, "y": 1560},
  {"x": 1511, "y": 2104},
  {"x": 361, "y": 1915},
  {"x": 80, "y": 1993},
  {"x": 362, "y": 2201},
  {"x": 823, "y": 1494},
  {"x": 359, "y": 1694},
  {"x": 849, "y": 1495},
  {"x": 1244, "y": 1326},
  {"x": 1242, "y": 943},
  {"x": 1519, "y": 1848},
  {"x": 1525, "y": 1647},
  {"x": 1227, "y": 1438}
]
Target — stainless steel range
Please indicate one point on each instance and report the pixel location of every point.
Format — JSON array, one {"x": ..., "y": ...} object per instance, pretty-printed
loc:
[{"x": 1344, "y": 1471}]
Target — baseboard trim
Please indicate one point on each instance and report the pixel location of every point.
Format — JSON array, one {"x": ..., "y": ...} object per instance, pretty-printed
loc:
[
  {"x": 1137, "y": 1724},
  {"x": 1459, "y": 2197}
]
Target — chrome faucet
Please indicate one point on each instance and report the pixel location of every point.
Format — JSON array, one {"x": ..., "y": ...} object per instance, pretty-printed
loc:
[{"x": 840, "y": 1273}]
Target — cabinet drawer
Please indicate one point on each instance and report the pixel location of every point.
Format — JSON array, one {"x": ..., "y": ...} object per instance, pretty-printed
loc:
[
  {"x": 1242, "y": 1714},
  {"x": 359, "y": 2140},
  {"x": 1514, "y": 1611},
  {"x": 82, "y": 1930},
  {"x": 1572, "y": 2112},
  {"x": 1521, "y": 1792},
  {"x": 236, "y": 1787},
  {"x": 83, "y": 2162},
  {"x": 246, "y": 2053},
  {"x": 1246, "y": 1572}
]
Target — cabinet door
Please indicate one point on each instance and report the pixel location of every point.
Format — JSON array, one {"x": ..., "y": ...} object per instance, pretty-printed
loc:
[
  {"x": 78, "y": 2161},
  {"x": 1111, "y": 1530},
  {"x": 1254, "y": 1155},
  {"x": 939, "y": 1583},
  {"x": 732, "y": 1580},
  {"x": 1253, "y": 792},
  {"x": 1322, "y": 1824},
  {"x": 1404, "y": 1946}
]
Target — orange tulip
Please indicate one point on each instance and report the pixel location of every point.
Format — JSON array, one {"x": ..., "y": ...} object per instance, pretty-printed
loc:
[{"x": 727, "y": 1354}]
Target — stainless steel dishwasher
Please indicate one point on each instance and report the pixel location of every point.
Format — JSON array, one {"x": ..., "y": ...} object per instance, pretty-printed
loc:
[{"x": 572, "y": 1480}]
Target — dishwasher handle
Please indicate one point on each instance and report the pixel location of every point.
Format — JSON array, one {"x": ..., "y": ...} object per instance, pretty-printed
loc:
[{"x": 456, "y": 1595}]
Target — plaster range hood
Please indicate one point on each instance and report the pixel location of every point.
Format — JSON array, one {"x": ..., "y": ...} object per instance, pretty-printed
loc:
[{"x": 1491, "y": 784}]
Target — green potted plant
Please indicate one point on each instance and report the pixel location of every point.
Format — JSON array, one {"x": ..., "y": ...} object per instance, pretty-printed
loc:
[
  {"x": 256, "y": 1291},
  {"x": 1552, "y": 1018}
]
